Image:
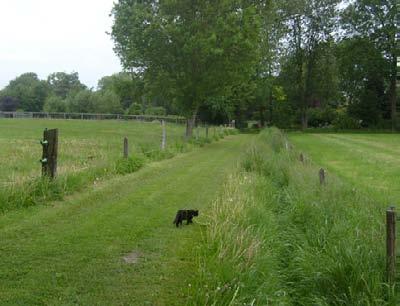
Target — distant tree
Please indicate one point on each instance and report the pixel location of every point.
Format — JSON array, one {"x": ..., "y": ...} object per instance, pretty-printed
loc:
[
  {"x": 135, "y": 109},
  {"x": 106, "y": 102},
  {"x": 62, "y": 84},
  {"x": 55, "y": 104},
  {"x": 155, "y": 111},
  {"x": 29, "y": 91},
  {"x": 129, "y": 87},
  {"x": 81, "y": 102},
  {"x": 8, "y": 104}
]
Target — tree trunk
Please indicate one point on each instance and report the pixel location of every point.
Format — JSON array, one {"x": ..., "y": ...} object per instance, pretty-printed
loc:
[
  {"x": 262, "y": 116},
  {"x": 393, "y": 94},
  {"x": 190, "y": 122},
  {"x": 304, "y": 120}
]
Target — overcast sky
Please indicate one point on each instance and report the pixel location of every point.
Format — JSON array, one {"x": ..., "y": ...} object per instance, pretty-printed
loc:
[{"x": 46, "y": 36}]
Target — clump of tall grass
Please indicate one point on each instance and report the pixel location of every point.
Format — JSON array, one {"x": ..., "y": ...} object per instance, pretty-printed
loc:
[
  {"x": 42, "y": 190},
  {"x": 128, "y": 165},
  {"x": 311, "y": 244},
  {"x": 236, "y": 265}
]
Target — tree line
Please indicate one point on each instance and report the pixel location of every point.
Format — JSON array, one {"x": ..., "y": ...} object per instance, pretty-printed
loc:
[
  {"x": 63, "y": 92},
  {"x": 303, "y": 63}
]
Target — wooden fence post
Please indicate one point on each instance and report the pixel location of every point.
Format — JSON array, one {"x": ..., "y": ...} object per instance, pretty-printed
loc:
[
  {"x": 206, "y": 131},
  {"x": 50, "y": 153},
  {"x": 164, "y": 135},
  {"x": 126, "y": 148},
  {"x": 197, "y": 133},
  {"x": 391, "y": 245},
  {"x": 322, "y": 176}
]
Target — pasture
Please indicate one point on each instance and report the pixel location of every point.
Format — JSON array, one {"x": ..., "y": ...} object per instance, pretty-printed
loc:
[
  {"x": 83, "y": 144},
  {"x": 368, "y": 161}
]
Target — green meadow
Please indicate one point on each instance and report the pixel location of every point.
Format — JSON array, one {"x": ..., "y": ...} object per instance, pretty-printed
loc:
[{"x": 369, "y": 161}]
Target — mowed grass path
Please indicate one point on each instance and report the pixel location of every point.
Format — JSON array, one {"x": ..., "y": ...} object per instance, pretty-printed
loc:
[
  {"x": 72, "y": 252},
  {"x": 369, "y": 161}
]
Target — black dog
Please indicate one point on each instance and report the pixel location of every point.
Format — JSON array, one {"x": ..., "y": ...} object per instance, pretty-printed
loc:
[{"x": 185, "y": 214}]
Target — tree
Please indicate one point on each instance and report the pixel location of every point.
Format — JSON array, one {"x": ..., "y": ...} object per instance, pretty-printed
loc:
[
  {"x": 376, "y": 21},
  {"x": 310, "y": 23},
  {"x": 191, "y": 51},
  {"x": 29, "y": 92},
  {"x": 129, "y": 87},
  {"x": 62, "y": 83},
  {"x": 107, "y": 102},
  {"x": 55, "y": 104},
  {"x": 80, "y": 102},
  {"x": 8, "y": 104},
  {"x": 362, "y": 79}
]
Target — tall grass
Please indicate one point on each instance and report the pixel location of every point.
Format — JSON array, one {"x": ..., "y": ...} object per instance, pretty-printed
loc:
[{"x": 277, "y": 237}]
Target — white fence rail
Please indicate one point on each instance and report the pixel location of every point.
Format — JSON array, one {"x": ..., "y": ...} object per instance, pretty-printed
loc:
[{"x": 90, "y": 116}]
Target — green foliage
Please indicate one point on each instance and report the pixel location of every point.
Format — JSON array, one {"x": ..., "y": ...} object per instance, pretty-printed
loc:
[
  {"x": 129, "y": 87},
  {"x": 106, "y": 102},
  {"x": 128, "y": 165},
  {"x": 135, "y": 109},
  {"x": 155, "y": 111},
  {"x": 321, "y": 117},
  {"x": 55, "y": 104},
  {"x": 63, "y": 84},
  {"x": 179, "y": 56},
  {"x": 28, "y": 90},
  {"x": 81, "y": 102},
  {"x": 344, "y": 122}
]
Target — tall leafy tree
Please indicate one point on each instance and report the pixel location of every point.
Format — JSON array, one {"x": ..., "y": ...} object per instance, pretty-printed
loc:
[
  {"x": 310, "y": 23},
  {"x": 190, "y": 50},
  {"x": 376, "y": 21}
]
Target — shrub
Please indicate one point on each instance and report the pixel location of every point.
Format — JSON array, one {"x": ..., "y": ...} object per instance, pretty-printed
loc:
[
  {"x": 344, "y": 122},
  {"x": 156, "y": 111},
  {"x": 135, "y": 109},
  {"x": 128, "y": 165},
  {"x": 320, "y": 117}
]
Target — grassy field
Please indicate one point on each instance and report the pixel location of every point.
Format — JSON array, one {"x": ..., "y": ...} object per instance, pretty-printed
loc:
[
  {"x": 89, "y": 152},
  {"x": 82, "y": 144},
  {"x": 72, "y": 252},
  {"x": 369, "y": 161}
]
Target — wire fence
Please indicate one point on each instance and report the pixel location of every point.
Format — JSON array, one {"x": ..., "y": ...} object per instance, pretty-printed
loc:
[{"x": 90, "y": 116}]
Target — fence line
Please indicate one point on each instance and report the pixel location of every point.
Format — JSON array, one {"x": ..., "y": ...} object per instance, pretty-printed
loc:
[{"x": 90, "y": 116}]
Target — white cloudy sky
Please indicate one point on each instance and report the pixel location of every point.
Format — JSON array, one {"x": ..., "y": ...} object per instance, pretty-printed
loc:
[{"x": 46, "y": 36}]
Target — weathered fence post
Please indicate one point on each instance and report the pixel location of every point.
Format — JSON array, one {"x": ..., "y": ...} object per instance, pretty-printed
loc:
[
  {"x": 164, "y": 135},
  {"x": 126, "y": 147},
  {"x": 391, "y": 245},
  {"x": 206, "y": 131},
  {"x": 197, "y": 133},
  {"x": 322, "y": 176},
  {"x": 50, "y": 152}
]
